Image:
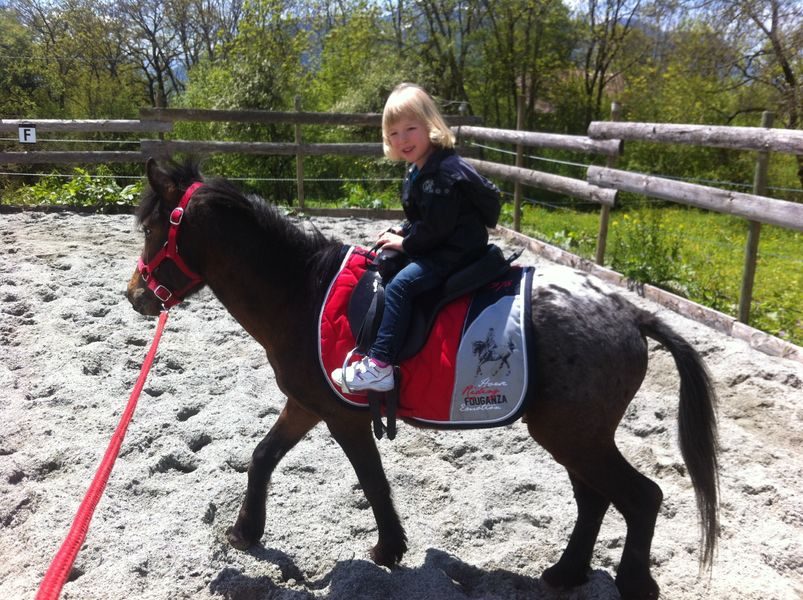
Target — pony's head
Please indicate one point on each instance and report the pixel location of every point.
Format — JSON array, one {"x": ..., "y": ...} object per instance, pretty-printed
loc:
[{"x": 162, "y": 277}]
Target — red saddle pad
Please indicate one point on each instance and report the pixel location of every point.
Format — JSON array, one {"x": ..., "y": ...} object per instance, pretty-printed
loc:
[{"x": 462, "y": 377}]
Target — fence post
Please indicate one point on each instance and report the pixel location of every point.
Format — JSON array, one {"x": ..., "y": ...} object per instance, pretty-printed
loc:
[
  {"x": 160, "y": 134},
  {"x": 299, "y": 160},
  {"x": 754, "y": 228},
  {"x": 519, "y": 163},
  {"x": 605, "y": 211}
]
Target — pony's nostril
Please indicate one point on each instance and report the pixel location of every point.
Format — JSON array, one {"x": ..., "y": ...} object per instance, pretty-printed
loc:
[{"x": 138, "y": 300}]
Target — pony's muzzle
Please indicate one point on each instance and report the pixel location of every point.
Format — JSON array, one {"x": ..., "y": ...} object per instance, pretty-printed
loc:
[{"x": 141, "y": 299}]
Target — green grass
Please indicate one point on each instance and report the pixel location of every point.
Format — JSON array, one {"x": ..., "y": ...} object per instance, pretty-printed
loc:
[{"x": 693, "y": 253}]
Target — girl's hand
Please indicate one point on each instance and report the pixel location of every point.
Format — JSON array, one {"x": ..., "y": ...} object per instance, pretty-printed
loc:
[{"x": 390, "y": 241}]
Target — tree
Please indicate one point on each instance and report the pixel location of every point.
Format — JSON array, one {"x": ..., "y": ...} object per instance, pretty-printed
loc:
[
  {"x": 168, "y": 39},
  {"x": 450, "y": 26},
  {"x": 359, "y": 62},
  {"x": 265, "y": 56},
  {"x": 769, "y": 38},
  {"x": 606, "y": 24},
  {"x": 260, "y": 68},
  {"x": 203, "y": 27},
  {"x": 20, "y": 81},
  {"x": 49, "y": 35},
  {"x": 105, "y": 82},
  {"x": 155, "y": 46},
  {"x": 77, "y": 49},
  {"x": 525, "y": 47}
]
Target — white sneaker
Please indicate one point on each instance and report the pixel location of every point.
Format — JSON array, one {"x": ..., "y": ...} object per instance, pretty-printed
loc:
[{"x": 363, "y": 376}]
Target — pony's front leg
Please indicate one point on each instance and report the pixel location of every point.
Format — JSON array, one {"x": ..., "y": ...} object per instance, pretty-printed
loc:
[
  {"x": 293, "y": 424},
  {"x": 357, "y": 441}
]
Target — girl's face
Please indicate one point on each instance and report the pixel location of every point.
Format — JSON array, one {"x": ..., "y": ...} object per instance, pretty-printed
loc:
[{"x": 409, "y": 139}]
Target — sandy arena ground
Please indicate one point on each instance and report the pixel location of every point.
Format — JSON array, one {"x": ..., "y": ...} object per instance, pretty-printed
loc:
[{"x": 485, "y": 511}]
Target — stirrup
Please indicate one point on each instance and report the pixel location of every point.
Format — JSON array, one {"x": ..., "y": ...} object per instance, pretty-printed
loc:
[
  {"x": 391, "y": 401},
  {"x": 343, "y": 383}
]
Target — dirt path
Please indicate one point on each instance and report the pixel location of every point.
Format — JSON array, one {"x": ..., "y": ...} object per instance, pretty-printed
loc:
[{"x": 485, "y": 511}]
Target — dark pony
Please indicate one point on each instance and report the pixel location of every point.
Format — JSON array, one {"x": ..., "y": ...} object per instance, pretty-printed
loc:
[{"x": 590, "y": 360}]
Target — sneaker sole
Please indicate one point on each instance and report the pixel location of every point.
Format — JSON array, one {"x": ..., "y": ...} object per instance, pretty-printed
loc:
[
  {"x": 377, "y": 386},
  {"x": 337, "y": 378}
]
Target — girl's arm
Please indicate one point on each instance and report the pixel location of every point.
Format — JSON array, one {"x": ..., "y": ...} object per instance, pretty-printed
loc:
[{"x": 439, "y": 216}]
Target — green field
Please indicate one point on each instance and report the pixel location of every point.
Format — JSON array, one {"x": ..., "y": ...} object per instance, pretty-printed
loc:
[{"x": 693, "y": 253}]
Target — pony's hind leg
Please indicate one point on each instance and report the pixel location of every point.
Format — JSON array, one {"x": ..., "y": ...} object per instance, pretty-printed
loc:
[
  {"x": 638, "y": 499},
  {"x": 357, "y": 441},
  {"x": 572, "y": 568},
  {"x": 293, "y": 424}
]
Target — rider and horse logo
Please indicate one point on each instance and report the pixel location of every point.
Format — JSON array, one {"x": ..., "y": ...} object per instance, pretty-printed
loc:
[{"x": 487, "y": 353}]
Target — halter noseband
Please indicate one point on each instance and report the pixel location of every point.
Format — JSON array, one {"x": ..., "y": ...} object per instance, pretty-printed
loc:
[{"x": 169, "y": 251}]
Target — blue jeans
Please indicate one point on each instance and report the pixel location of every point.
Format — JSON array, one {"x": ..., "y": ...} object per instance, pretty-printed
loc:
[{"x": 419, "y": 276}]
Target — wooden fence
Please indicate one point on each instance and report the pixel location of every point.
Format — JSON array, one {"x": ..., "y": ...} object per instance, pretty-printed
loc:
[
  {"x": 161, "y": 120},
  {"x": 601, "y": 185},
  {"x": 78, "y": 126},
  {"x": 755, "y": 207}
]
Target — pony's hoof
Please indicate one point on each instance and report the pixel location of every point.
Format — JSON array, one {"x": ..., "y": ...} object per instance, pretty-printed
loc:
[
  {"x": 637, "y": 589},
  {"x": 562, "y": 578},
  {"x": 238, "y": 540},
  {"x": 387, "y": 557}
]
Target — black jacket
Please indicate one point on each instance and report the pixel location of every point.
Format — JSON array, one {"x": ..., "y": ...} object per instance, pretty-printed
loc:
[{"x": 449, "y": 207}]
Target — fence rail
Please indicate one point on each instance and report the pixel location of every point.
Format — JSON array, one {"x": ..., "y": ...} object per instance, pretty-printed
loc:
[
  {"x": 547, "y": 181},
  {"x": 749, "y": 206},
  {"x": 87, "y": 125},
  {"x": 717, "y": 136},
  {"x": 533, "y": 139},
  {"x": 165, "y": 148}
]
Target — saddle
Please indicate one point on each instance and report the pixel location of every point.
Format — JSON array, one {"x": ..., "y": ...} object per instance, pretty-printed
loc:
[
  {"x": 367, "y": 300},
  {"x": 366, "y": 306}
]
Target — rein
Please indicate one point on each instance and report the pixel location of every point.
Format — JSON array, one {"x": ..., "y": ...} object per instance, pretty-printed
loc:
[
  {"x": 170, "y": 252},
  {"x": 61, "y": 566}
]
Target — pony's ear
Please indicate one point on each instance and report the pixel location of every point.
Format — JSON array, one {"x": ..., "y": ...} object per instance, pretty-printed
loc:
[{"x": 162, "y": 184}]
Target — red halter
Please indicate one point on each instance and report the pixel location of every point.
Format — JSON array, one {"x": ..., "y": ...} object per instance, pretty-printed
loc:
[{"x": 170, "y": 252}]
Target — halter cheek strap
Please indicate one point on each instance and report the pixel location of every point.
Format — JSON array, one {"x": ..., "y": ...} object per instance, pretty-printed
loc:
[{"x": 169, "y": 251}]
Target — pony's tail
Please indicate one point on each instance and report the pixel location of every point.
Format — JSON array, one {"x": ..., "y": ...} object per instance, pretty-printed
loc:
[{"x": 697, "y": 429}]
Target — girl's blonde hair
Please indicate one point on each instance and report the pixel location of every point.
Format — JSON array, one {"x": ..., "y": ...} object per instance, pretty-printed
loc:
[{"x": 411, "y": 101}]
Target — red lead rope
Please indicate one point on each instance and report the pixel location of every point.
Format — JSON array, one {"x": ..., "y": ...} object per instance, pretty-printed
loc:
[{"x": 61, "y": 566}]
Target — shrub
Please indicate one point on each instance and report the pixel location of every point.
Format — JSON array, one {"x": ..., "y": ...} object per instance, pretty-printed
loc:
[
  {"x": 357, "y": 196},
  {"x": 81, "y": 190},
  {"x": 646, "y": 251}
]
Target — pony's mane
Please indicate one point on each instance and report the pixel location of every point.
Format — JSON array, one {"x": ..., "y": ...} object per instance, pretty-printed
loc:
[{"x": 323, "y": 253}]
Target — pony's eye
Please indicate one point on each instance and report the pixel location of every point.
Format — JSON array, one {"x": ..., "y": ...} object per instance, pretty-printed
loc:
[{"x": 146, "y": 230}]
